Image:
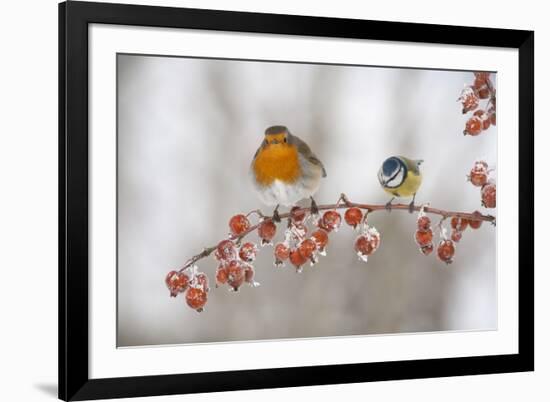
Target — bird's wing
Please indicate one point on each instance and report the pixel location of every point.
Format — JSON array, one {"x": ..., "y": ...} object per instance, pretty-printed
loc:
[
  {"x": 412, "y": 164},
  {"x": 304, "y": 149}
]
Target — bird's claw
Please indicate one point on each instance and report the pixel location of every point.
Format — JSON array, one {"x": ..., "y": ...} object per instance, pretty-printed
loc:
[
  {"x": 411, "y": 207},
  {"x": 388, "y": 206},
  {"x": 276, "y": 218},
  {"x": 314, "y": 208}
]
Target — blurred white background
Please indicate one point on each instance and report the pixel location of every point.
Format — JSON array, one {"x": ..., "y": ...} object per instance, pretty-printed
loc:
[{"x": 188, "y": 129}]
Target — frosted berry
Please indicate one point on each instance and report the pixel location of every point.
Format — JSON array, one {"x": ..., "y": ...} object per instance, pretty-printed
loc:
[
  {"x": 481, "y": 78},
  {"x": 267, "y": 231},
  {"x": 423, "y": 237},
  {"x": 281, "y": 252},
  {"x": 365, "y": 246},
  {"x": 239, "y": 224},
  {"x": 176, "y": 282},
  {"x": 226, "y": 251},
  {"x": 478, "y": 179},
  {"x": 353, "y": 216},
  {"x": 427, "y": 250},
  {"x": 484, "y": 92},
  {"x": 221, "y": 275},
  {"x": 478, "y": 174},
  {"x": 307, "y": 248},
  {"x": 296, "y": 258},
  {"x": 475, "y": 224},
  {"x": 485, "y": 118},
  {"x": 489, "y": 195},
  {"x": 423, "y": 223},
  {"x": 459, "y": 224},
  {"x": 456, "y": 235},
  {"x": 297, "y": 214},
  {"x": 235, "y": 274},
  {"x": 248, "y": 252},
  {"x": 446, "y": 251},
  {"x": 330, "y": 221},
  {"x": 196, "y": 298},
  {"x": 249, "y": 274},
  {"x": 321, "y": 238},
  {"x": 469, "y": 99},
  {"x": 474, "y": 125}
]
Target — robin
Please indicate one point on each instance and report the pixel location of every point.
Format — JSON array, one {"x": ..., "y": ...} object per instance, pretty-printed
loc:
[
  {"x": 400, "y": 177},
  {"x": 285, "y": 170}
]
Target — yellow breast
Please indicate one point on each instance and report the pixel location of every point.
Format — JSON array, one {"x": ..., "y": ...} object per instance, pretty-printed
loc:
[
  {"x": 408, "y": 188},
  {"x": 277, "y": 162}
]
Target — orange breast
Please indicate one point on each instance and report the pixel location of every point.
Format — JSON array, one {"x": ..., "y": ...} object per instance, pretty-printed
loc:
[{"x": 277, "y": 162}]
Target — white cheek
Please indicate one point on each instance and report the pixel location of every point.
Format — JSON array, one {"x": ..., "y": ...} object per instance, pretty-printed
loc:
[{"x": 397, "y": 180}]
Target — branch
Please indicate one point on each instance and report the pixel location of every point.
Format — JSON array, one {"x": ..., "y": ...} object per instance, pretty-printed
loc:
[{"x": 343, "y": 202}]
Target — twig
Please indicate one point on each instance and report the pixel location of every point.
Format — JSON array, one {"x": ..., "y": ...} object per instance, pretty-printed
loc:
[{"x": 347, "y": 204}]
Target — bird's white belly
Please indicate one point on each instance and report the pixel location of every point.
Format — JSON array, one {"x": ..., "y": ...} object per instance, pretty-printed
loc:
[{"x": 283, "y": 193}]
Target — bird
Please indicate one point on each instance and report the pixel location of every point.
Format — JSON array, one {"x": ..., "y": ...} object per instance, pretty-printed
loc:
[
  {"x": 400, "y": 177},
  {"x": 284, "y": 170}
]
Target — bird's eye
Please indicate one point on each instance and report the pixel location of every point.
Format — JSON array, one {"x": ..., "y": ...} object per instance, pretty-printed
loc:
[{"x": 284, "y": 140}]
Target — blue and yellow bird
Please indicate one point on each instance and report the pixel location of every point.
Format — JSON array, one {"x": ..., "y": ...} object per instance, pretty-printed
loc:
[
  {"x": 284, "y": 170},
  {"x": 400, "y": 177}
]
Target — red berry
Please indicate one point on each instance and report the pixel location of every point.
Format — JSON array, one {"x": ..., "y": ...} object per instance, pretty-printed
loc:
[
  {"x": 248, "y": 252},
  {"x": 307, "y": 248},
  {"x": 330, "y": 221},
  {"x": 446, "y": 251},
  {"x": 321, "y": 238},
  {"x": 297, "y": 214},
  {"x": 423, "y": 237},
  {"x": 456, "y": 235},
  {"x": 281, "y": 252},
  {"x": 474, "y": 125},
  {"x": 481, "y": 77},
  {"x": 489, "y": 195},
  {"x": 469, "y": 99},
  {"x": 176, "y": 282},
  {"x": 427, "y": 250},
  {"x": 475, "y": 224},
  {"x": 485, "y": 118},
  {"x": 478, "y": 179},
  {"x": 484, "y": 92},
  {"x": 423, "y": 223},
  {"x": 267, "y": 231},
  {"x": 366, "y": 244},
  {"x": 478, "y": 174},
  {"x": 353, "y": 216},
  {"x": 296, "y": 258},
  {"x": 459, "y": 224},
  {"x": 196, "y": 298},
  {"x": 235, "y": 274},
  {"x": 249, "y": 274},
  {"x": 221, "y": 275},
  {"x": 226, "y": 251},
  {"x": 238, "y": 224}
]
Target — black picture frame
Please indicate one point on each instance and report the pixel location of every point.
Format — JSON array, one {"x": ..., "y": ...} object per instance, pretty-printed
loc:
[{"x": 74, "y": 18}]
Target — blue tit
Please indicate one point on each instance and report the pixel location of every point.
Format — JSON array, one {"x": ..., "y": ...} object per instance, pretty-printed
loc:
[{"x": 400, "y": 177}]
